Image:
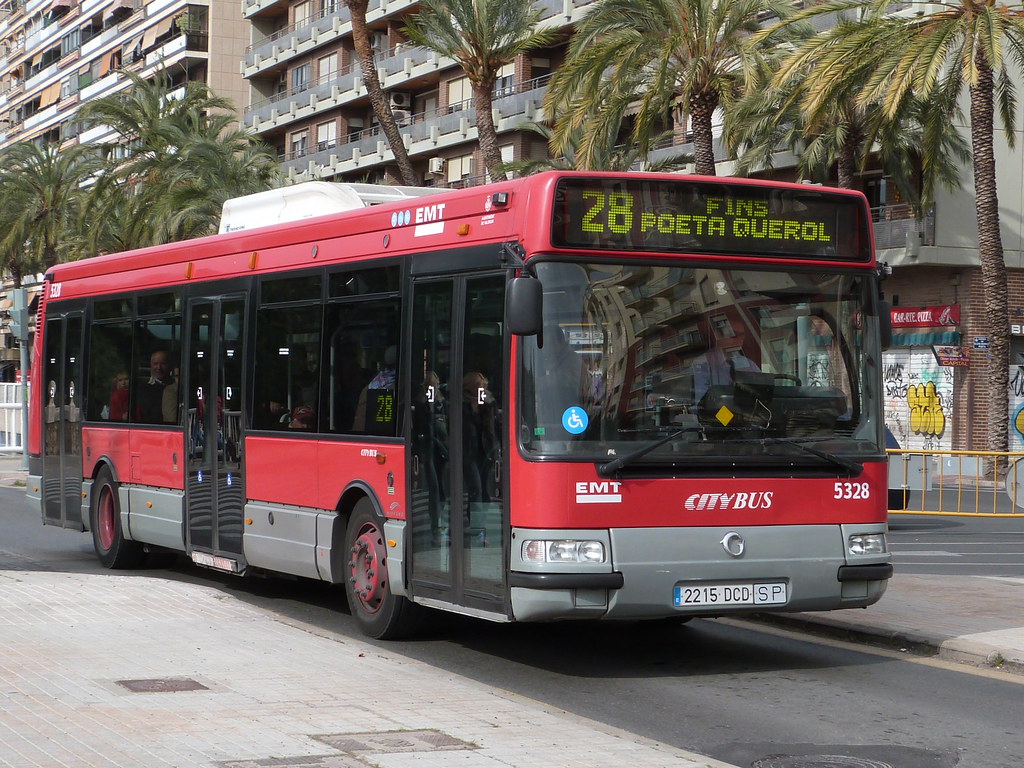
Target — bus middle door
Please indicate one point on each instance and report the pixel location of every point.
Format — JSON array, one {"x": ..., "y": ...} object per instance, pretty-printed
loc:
[
  {"x": 458, "y": 498},
  {"x": 215, "y": 487}
]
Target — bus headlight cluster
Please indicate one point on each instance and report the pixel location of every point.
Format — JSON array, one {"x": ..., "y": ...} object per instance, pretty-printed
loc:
[
  {"x": 867, "y": 544},
  {"x": 563, "y": 551}
]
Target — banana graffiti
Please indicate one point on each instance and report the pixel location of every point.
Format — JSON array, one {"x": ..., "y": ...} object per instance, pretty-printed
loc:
[
  {"x": 926, "y": 416},
  {"x": 1018, "y": 421}
]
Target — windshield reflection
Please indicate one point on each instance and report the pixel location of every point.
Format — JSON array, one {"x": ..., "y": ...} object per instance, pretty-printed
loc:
[{"x": 739, "y": 362}]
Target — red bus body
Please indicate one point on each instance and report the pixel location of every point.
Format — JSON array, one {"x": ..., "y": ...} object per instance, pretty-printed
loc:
[{"x": 766, "y": 514}]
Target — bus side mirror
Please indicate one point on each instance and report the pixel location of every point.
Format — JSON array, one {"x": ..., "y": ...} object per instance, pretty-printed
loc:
[
  {"x": 885, "y": 323},
  {"x": 524, "y": 306}
]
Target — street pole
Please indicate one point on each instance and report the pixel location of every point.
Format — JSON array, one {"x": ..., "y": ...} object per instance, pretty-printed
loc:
[{"x": 19, "y": 327}]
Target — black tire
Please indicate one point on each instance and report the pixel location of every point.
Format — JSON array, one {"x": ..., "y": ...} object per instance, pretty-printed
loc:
[
  {"x": 377, "y": 610},
  {"x": 112, "y": 548},
  {"x": 899, "y": 498}
]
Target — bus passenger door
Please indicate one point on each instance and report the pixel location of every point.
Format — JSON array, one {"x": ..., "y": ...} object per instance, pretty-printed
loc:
[
  {"x": 457, "y": 516},
  {"x": 215, "y": 487},
  {"x": 62, "y": 414}
]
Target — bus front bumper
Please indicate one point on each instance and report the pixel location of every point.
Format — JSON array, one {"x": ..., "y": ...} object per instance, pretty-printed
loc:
[{"x": 672, "y": 572}]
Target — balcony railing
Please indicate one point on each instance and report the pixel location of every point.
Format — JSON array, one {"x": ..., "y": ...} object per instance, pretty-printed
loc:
[
  {"x": 325, "y": 19},
  {"x": 434, "y": 125},
  {"x": 895, "y": 225}
]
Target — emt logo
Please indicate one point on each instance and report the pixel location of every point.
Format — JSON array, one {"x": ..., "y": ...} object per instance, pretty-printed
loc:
[{"x": 602, "y": 492}]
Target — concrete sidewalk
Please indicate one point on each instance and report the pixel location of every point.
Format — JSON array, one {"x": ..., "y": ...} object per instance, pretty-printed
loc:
[{"x": 120, "y": 670}]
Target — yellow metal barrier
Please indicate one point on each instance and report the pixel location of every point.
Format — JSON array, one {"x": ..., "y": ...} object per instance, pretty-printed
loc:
[{"x": 965, "y": 483}]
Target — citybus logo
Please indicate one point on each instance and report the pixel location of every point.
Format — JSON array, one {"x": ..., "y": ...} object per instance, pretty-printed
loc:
[{"x": 702, "y": 501}]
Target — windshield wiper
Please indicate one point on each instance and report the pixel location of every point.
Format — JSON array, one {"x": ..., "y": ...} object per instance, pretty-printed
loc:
[
  {"x": 610, "y": 468},
  {"x": 851, "y": 466}
]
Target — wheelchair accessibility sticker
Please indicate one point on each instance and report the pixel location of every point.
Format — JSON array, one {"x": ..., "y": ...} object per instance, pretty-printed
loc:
[{"x": 575, "y": 420}]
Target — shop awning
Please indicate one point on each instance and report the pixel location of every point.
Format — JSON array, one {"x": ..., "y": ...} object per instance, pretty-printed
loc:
[{"x": 945, "y": 338}]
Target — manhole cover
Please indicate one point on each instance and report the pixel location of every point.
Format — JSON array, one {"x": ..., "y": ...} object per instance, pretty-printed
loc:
[
  {"x": 394, "y": 741},
  {"x": 162, "y": 685},
  {"x": 817, "y": 761}
]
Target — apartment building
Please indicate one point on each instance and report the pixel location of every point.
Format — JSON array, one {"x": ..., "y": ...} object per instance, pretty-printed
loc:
[
  {"x": 309, "y": 102},
  {"x": 56, "y": 55}
]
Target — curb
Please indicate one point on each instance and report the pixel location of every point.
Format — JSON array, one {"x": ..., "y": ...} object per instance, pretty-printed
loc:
[{"x": 956, "y": 649}]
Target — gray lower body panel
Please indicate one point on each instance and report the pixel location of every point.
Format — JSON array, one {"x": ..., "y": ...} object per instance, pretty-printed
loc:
[{"x": 654, "y": 562}]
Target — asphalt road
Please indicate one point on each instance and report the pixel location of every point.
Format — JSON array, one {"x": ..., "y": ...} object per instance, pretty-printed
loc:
[
  {"x": 737, "y": 691},
  {"x": 974, "y": 546}
]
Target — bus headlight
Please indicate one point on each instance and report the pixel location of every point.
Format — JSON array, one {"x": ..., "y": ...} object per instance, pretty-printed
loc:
[
  {"x": 866, "y": 544},
  {"x": 563, "y": 551}
]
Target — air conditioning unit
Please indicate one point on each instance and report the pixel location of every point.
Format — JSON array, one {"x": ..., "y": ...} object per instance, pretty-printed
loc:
[
  {"x": 401, "y": 100},
  {"x": 402, "y": 116},
  {"x": 435, "y": 165}
]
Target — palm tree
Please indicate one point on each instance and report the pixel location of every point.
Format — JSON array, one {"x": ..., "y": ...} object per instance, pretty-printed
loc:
[
  {"x": 482, "y": 36},
  {"x": 659, "y": 54},
  {"x": 42, "y": 190},
  {"x": 182, "y": 158},
  {"x": 374, "y": 89},
  {"x": 968, "y": 44},
  {"x": 839, "y": 142}
]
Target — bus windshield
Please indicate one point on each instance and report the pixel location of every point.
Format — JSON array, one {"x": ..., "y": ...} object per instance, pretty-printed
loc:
[{"x": 704, "y": 364}]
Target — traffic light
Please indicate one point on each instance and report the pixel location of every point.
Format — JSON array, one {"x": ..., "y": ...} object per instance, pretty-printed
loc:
[{"x": 19, "y": 314}]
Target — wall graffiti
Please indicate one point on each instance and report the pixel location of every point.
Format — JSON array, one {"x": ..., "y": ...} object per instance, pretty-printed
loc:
[
  {"x": 925, "y": 403},
  {"x": 1017, "y": 408},
  {"x": 918, "y": 395}
]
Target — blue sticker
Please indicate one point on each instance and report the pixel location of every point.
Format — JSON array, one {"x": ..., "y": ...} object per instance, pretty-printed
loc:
[{"x": 575, "y": 420}]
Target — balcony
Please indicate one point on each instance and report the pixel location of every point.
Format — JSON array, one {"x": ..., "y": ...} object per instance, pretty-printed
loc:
[
  {"x": 287, "y": 40},
  {"x": 897, "y": 225},
  {"x": 321, "y": 27},
  {"x": 426, "y": 133},
  {"x": 294, "y": 100}
]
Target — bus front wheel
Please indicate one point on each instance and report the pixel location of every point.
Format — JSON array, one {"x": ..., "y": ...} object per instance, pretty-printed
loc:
[
  {"x": 377, "y": 610},
  {"x": 112, "y": 548}
]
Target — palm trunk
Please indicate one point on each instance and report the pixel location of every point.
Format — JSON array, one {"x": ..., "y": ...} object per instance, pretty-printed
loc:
[
  {"x": 702, "y": 109},
  {"x": 381, "y": 108},
  {"x": 487, "y": 134},
  {"x": 993, "y": 268}
]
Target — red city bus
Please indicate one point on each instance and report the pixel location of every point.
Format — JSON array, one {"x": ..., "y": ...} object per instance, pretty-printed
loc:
[{"x": 568, "y": 396}]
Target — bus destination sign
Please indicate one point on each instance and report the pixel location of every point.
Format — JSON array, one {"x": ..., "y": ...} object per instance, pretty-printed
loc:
[{"x": 708, "y": 217}]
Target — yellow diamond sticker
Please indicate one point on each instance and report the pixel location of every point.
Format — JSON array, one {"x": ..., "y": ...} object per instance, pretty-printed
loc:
[{"x": 724, "y": 415}]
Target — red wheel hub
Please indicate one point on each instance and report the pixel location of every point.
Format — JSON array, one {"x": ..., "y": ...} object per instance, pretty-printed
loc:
[
  {"x": 105, "y": 519},
  {"x": 366, "y": 564}
]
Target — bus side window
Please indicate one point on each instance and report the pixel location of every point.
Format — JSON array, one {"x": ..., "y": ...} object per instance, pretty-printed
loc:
[
  {"x": 109, "y": 361},
  {"x": 287, "y": 368},
  {"x": 362, "y": 366}
]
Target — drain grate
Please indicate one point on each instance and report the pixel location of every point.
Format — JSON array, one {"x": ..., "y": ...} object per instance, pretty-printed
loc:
[
  {"x": 394, "y": 741},
  {"x": 817, "y": 761},
  {"x": 162, "y": 685}
]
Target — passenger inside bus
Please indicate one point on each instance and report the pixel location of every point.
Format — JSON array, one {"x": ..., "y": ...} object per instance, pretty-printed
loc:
[
  {"x": 149, "y": 397},
  {"x": 479, "y": 438},
  {"x": 118, "y": 407},
  {"x": 375, "y": 411},
  {"x": 430, "y": 435}
]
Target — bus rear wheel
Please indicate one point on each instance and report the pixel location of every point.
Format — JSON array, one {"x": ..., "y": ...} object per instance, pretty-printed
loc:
[
  {"x": 377, "y": 610},
  {"x": 112, "y": 548}
]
